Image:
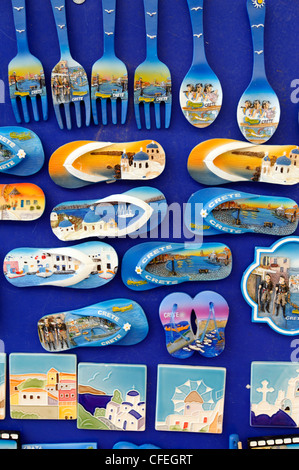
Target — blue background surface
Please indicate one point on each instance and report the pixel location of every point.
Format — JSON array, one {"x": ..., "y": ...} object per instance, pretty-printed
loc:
[{"x": 229, "y": 51}]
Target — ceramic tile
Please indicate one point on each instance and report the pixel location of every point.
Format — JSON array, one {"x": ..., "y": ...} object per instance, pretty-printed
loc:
[
  {"x": 111, "y": 396},
  {"x": 43, "y": 386},
  {"x": 190, "y": 398}
]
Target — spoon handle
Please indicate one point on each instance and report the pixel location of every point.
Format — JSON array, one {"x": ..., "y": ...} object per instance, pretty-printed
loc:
[
  {"x": 257, "y": 13},
  {"x": 19, "y": 15},
  {"x": 151, "y": 26},
  {"x": 196, "y": 15},
  {"x": 109, "y": 7},
  {"x": 58, "y": 7}
]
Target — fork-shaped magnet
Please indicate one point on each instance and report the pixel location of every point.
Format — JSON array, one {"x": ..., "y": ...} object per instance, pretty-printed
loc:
[
  {"x": 109, "y": 80},
  {"x": 69, "y": 82},
  {"x": 152, "y": 81},
  {"x": 25, "y": 72}
]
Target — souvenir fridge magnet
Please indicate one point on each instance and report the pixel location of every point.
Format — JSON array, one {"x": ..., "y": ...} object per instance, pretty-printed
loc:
[
  {"x": 2, "y": 385},
  {"x": 25, "y": 72},
  {"x": 153, "y": 264},
  {"x": 136, "y": 211},
  {"x": 109, "y": 76},
  {"x": 21, "y": 202},
  {"x": 111, "y": 397},
  {"x": 81, "y": 163},
  {"x": 201, "y": 91},
  {"x": 65, "y": 445},
  {"x": 220, "y": 161},
  {"x": 152, "y": 78},
  {"x": 270, "y": 285},
  {"x": 120, "y": 322},
  {"x": 84, "y": 266},
  {"x": 274, "y": 394},
  {"x": 10, "y": 440},
  {"x": 207, "y": 337},
  {"x": 258, "y": 111},
  {"x": 43, "y": 386},
  {"x": 235, "y": 212},
  {"x": 190, "y": 399},
  {"x": 21, "y": 151},
  {"x": 286, "y": 442}
]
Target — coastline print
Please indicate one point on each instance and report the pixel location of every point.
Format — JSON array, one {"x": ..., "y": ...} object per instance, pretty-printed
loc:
[
  {"x": 111, "y": 397},
  {"x": 78, "y": 164},
  {"x": 26, "y": 77},
  {"x": 84, "y": 266},
  {"x": 190, "y": 399},
  {"x": 270, "y": 285},
  {"x": 153, "y": 264},
  {"x": 43, "y": 386},
  {"x": 137, "y": 210},
  {"x": 274, "y": 394},
  {"x": 235, "y": 212},
  {"x": 220, "y": 161},
  {"x": 152, "y": 87},
  {"x": 21, "y": 202}
]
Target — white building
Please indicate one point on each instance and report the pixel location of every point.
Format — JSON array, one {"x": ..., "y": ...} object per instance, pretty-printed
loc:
[
  {"x": 128, "y": 415},
  {"x": 148, "y": 164},
  {"x": 285, "y": 169}
]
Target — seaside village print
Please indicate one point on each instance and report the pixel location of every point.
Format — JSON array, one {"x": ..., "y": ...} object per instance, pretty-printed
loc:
[
  {"x": 274, "y": 394},
  {"x": 190, "y": 399},
  {"x": 69, "y": 82},
  {"x": 273, "y": 286},
  {"x": 27, "y": 83},
  {"x": 42, "y": 386},
  {"x": 21, "y": 201},
  {"x": 111, "y": 397}
]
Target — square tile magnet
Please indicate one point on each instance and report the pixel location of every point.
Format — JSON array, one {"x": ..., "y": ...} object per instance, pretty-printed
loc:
[
  {"x": 111, "y": 396},
  {"x": 274, "y": 394},
  {"x": 2, "y": 384},
  {"x": 190, "y": 399},
  {"x": 43, "y": 386}
]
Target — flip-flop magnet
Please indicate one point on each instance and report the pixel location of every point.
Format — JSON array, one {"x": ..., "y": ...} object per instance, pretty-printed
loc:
[
  {"x": 138, "y": 210},
  {"x": 211, "y": 311},
  {"x": 21, "y": 151},
  {"x": 270, "y": 286},
  {"x": 22, "y": 202},
  {"x": 220, "y": 161},
  {"x": 153, "y": 264},
  {"x": 83, "y": 266},
  {"x": 235, "y": 212},
  {"x": 120, "y": 321},
  {"x": 81, "y": 163}
]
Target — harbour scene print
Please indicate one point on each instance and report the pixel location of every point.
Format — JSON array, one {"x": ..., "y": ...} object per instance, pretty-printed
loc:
[
  {"x": 271, "y": 287},
  {"x": 69, "y": 82},
  {"x": 21, "y": 202},
  {"x": 261, "y": 214},
  {"x": 108, "y": 82},
  {"x": 111, "y": 397},
  {"x": 200, "y": 102},
  {"x": 80, "y": 163},
  {"x": 152, "y": 87},
  {"x": 206, "y": 263},
  {"x": 93, "y": 265},
  {"x": 26, "y": 78},
  {"x": 190, "y": 399},
  {"x": 43, "y": 386},
  {"x": 274, "y": 400}
]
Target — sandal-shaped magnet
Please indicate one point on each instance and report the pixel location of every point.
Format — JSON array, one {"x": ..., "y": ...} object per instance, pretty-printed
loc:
[
  {"x": 207, "y": 336},
  {"x": 83, "y": 266},
  {"x": 82, "y": 163},
  {"x": 220, "y": 161},
  {"x": 119, "y": 321},
  {"x": 21, "y": 202},
  {"x": 215, "y": 210},
  {"x": 138, "y": 210},
  {"x": 153, "y": 264},
  {"x": 21, "y": 151}
]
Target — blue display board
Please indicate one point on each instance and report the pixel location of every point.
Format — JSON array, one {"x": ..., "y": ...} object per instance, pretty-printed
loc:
[{"x": 229, "y": 52}]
